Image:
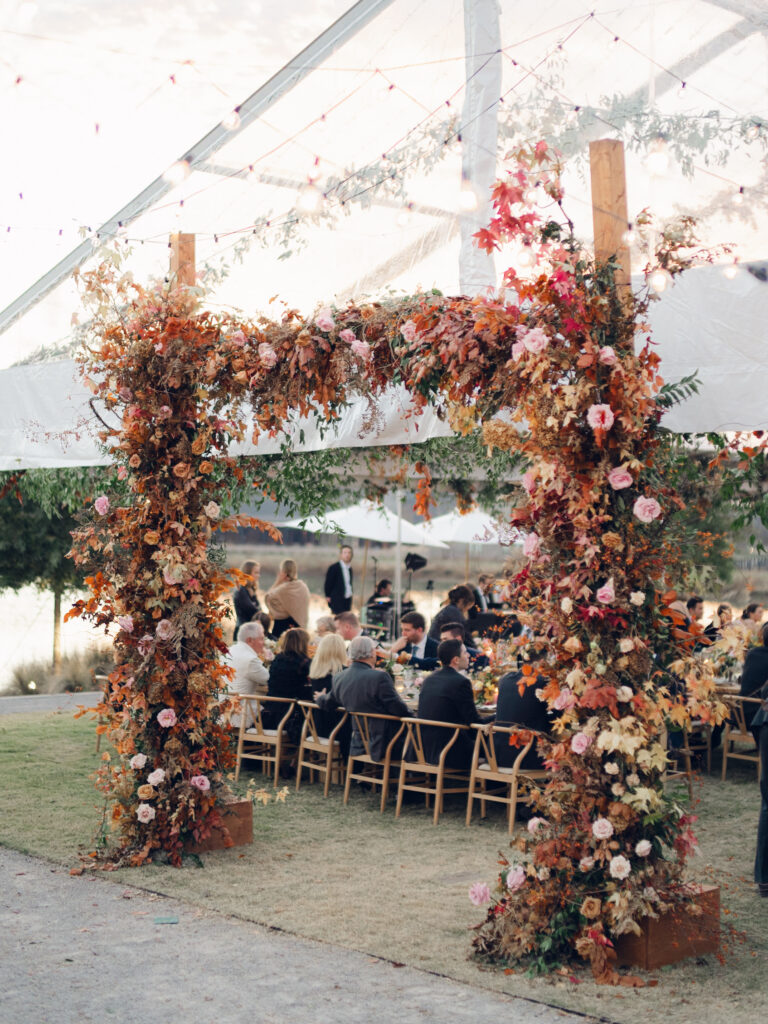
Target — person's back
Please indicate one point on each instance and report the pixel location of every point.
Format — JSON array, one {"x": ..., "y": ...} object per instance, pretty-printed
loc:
[
  {"x": 523, "y": 709},
  {"x": 755, "y": 673}
]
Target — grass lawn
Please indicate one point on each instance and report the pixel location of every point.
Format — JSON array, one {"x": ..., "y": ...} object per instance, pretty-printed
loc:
[{"x": 394, "y": 889}]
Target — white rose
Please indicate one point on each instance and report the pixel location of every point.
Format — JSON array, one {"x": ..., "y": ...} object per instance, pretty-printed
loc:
[
  {"x": 618, "y": 789},
  {"x": 620, "y": 867},
  {"x": 624, "y": 693},
  {"x": 643, "y": 848},
  {"x": 626, "y": 645},
  {"x": 586, "y": 863},
  {"x": 156, "y": 777},
  {"x": 138, "y": 761},
  {"x": 611, "y": 768},
  {"x": 633, "y": 779},
  {"x": 602, "y": 829},
  {"x": 566, "y": 605},
  {"x": 543, "y": 874},
  {"x": 145, "y": 813},
  {"x": 637, "y": 597}
]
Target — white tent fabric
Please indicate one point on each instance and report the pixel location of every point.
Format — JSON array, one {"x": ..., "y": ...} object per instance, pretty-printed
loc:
[
  {"x": 380, "y": 119},
  {"x": 367, "y": 521},
  {"x": 475, "y": 527}
]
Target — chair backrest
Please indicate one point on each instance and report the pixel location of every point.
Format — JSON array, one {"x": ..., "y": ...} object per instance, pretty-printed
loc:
[
  {"x": 485, "y": 748},
  {"x": 361, "y": 721},
  {"x": 310, "y": 731},
  {"x": 414, "y": 743},
  {"x": 739, "y": 707},
  {"x": 258, "y": 705}
]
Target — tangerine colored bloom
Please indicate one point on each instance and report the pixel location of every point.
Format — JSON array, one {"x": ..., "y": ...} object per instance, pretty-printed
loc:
[
  {"x": 600, "y": 417},
  {"x": 145, "y": 792},
  {"x": 102, "y": 505},
  {"x": 479, "y": 893},
  {"x": 167, "y": 718},
  {"x": 619, "y": 478},
  {"x": 201, "y": 782},
  {"x": 646, "y": 509}
]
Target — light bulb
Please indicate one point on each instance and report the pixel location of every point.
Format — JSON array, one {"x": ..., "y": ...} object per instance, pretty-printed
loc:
[
  {"x": 404, "y": 217},
  {"x": 310, "y": 199},
  {"x": 681, "y": 89},
  {"x": 250, "y": 174},
  {"x": 231, "y": 122},
  {"x": 31, "y": 685},
  {"x": 467, "y": 201},
  {"x": 177, "y": 172},
  {"x": 660, "y": 280},
  {"x": 730, "y": 270},
  {"x": 738, "y": 197},
  {"x": 525, "y": 259},
  {"x": 628, "y": 238},
  {"x": 657, "y": 160}
]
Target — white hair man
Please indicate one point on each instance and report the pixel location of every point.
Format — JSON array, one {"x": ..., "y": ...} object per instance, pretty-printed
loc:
[{"x": 247, "y": 656}]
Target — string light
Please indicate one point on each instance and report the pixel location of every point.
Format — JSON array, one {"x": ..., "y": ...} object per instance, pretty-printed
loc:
[
  {"x": 660, "y": 280},
  {"x": 730, "y": 270},
  {"x": 177, "y": 172},
  {"x": 753, "y": 131},
  {"x": 231, "y": 122},
  {"x": 525, "y": 259},
  {"x": 628, "y": 238},
  {"x": 738, "y": 197},
  {"x": 467, "y": 199},
  {"x": 657, "y": 160},
  {"x": 529, "y": 196},
  {"x": 310, "y": 199}
]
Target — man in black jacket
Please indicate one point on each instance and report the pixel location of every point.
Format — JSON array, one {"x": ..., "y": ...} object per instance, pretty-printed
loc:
[
  {"x": 523, "y": 709},
  {"x": 446, "y": 696},
  {"x": 414, "y": 641},
  {"x": 361, "y": 687},
  {"x": 338, "y": 582},
  {"x": 755, "y": 673}
]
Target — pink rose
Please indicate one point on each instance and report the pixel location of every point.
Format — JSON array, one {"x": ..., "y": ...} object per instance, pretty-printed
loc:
[
  {"x": 619, "y": 478},
  {"x": 536, "y": 340},
  {"x": 600, "y": 417},
  {"x": 145, "y": 644},
  {"x": 164, "y": 630},
  {"x": 165, "y": 412},
  {"x": 619, "y": 867},
  {"x": 607, "y": 356},
  {"x": 138, "y": 761},
  {"x": 200, "y": 782},
  {"x": 516, "y": 879},
  {"x": 646, "y": 509},
  {"x": 102, "y": 505},
  {"x": 156, "y": 777},
  {"x": 167, "y": 718},
  {"x": 125, "y": 394},
  {"x": 122, "y": 472},
  {"x": 145, "y": 813},
  {"x": 479, "y": 893},
  {"x": 125, "y": 622},
  {"x": 580, "y": 743},
  {"x": 239, "y": 339},
  {"x": 564, "y": 700},
  {"x": 602, "y": 828},
  {"x": 324, "y": 320},
  {"x": 348, "y": 336},
  {"x": 408, "y": 331},
  {"x": 517, "y": 350},
  {"x": 643, "y": 848},
  {"x": 535, "y": 824},
  {"x": 532, "y": 546},
  {"x": 606, "y": 593},
  {"x": 361, "y": 349},
  {"x": 529, "y": 480},
  {"x": 267, "y": 355}
]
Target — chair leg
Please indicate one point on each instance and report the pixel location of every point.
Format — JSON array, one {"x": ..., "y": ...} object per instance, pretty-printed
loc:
[
  {"x": 726, "y": 740},
  {"x": 512, "y": 806},
  {"x": 400, "y": 784},
  {"x": 470, "y": 798},
  {"x": 438, "y": 799},
  {"x": 328, "y": 773},
  {"x": 384, "y": 788},
  {"x": 348, "y": 783},
  {"x": 278, "y": 751}
]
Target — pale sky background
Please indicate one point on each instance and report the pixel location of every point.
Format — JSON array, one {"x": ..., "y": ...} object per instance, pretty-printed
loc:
[{"x": 67, "y": 66}]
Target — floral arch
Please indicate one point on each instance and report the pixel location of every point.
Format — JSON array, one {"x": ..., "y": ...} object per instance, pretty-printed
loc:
[{"x": 557, "y": 352}]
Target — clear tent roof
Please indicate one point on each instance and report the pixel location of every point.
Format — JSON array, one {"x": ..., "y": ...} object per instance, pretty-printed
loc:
[{"x": 99, "y": 99}]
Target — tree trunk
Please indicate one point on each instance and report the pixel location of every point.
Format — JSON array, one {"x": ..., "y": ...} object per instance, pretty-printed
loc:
[{"x": 56, "y": 629}]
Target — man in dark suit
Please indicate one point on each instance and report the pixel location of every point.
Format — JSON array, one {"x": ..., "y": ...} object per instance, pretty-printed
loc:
[
  {"x": 755, "y": 673},
  {"x": 361, "y": 687},
  {"x": 523, "y": 709},
  {"x": 455, "y": 631},
  {"x": 414, "y": 641},
  {"x": 446, "y": 696},
  {"x": 338, "y": 582}
]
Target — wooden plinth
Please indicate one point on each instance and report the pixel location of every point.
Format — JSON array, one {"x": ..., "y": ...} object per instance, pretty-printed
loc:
[
  {"x": 237, "y": 818},
  {"x": 676, "y": 935}
]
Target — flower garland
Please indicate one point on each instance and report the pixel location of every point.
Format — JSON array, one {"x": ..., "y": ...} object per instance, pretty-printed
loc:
[{"x": 556, "y": 354}]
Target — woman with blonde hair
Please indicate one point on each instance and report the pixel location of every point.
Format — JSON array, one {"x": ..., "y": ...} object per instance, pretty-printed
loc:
[
  {"x": 330, "y": 658},
  {"x": 288, "y": 599}
]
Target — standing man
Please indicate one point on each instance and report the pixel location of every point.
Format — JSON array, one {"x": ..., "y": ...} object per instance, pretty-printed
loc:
[{"x": 338, "y": 582}]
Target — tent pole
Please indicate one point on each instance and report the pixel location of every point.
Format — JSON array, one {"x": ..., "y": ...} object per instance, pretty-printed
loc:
[
  {"x": 609, "y": 209},
  {"x": 398, "y": 568},
  {"x": 362, "y": 581}
]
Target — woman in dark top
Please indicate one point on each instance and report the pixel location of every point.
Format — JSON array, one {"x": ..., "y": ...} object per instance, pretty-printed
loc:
[
  {"x": 245, "y": 598},
  {"x": 755, "y": 674},
  {"x": 460, "y": 600},
  {"x": 289, "y": 677}
]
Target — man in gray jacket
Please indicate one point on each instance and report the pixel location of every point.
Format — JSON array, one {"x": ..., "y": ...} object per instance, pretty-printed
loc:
[{"x": 362, "y": 687}]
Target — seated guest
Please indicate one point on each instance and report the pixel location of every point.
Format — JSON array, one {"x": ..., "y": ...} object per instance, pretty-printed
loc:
[
  {"x": 722, "y": 617},
  {"x": 288, "y": 599},
  {"x": 482, "y": 593},
  {"x": 460, "y": 600},
  {"x": 751, "y": 617},
  {"x": 759, "y": 730},
  {"x": 381, "y": 595},
  {"x": 755, "y": 674},
  {"x": 414, "y": 641},
  {"x": 325, "y": 626},
  {"x": 246, "y": 656},
  {"x": 289, "y": 677},
  {"x": 347, "y": 625},
  {"x": 446, "y": 696},
  {"x": 525, "y": 710},
  {"x": 362, "y": 687},
  {"x": 694, "y": 608},
  {"x": 330, "y": 659},
  {"x": 453, "y": 631},
  {"x": 245, "y": 598}
]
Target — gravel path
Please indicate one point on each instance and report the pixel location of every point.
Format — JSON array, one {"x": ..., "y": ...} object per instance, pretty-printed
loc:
[{"x": 76, "y": 950}]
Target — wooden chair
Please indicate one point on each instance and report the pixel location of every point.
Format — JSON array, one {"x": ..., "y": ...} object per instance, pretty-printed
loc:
[
  {"x": 736, "y": 731},
  {"x": 431, "y": 779},
  {"x": 506, "y": 781},
  {"x": 257, "y": 743},
  {"x": 363, "y": 767},
  {"x": 321, "y": 754}
]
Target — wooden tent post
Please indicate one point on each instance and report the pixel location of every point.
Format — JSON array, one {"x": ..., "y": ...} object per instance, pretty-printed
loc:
[
  {"x": 609, "y": 208},
  {"x": 183, "y": 259}
]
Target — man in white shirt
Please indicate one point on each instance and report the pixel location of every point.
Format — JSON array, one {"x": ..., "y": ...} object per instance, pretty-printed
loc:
[{"x": 246, "y": 656}]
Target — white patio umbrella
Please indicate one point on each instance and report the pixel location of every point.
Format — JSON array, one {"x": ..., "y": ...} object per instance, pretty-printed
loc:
[{"x": 475, "y": 527}]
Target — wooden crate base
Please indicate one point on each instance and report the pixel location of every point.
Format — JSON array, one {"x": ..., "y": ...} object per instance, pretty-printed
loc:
[
  {"x": 238, "y": 819},
  {"x": 676, "y": 935}
]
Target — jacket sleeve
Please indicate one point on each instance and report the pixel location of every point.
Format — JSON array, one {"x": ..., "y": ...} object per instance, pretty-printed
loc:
[
  {"x": 465, "y": 703},
  {"x": 329, "y": 580},
  {"x": 256, "y": 674},
  {"x": 391, "y": 702}
]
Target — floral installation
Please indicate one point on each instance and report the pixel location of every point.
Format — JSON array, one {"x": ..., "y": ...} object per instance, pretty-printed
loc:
[{"x": 563, "y": 355}]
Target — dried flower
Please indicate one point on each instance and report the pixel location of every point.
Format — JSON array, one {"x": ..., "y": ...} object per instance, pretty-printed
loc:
[
  {"x": 637, "y": 597},
  {"x": 145, "y": 813},
  {"x": 600, "y": 417},
  {"x": 125, "y": 622},
  {"x": 606, "y": 356},
  {"x": 611, "y": 768},
  {"x": 591, "y": 907},
  {"x": 606, "y": 593},
  {"x": 646, "y": 509},
  {"x": 267, "y": 356},
  {"x": 167, "y": 718},
  {"x": 408, "y": 331},
  {"x": 164, "y": 629}
]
